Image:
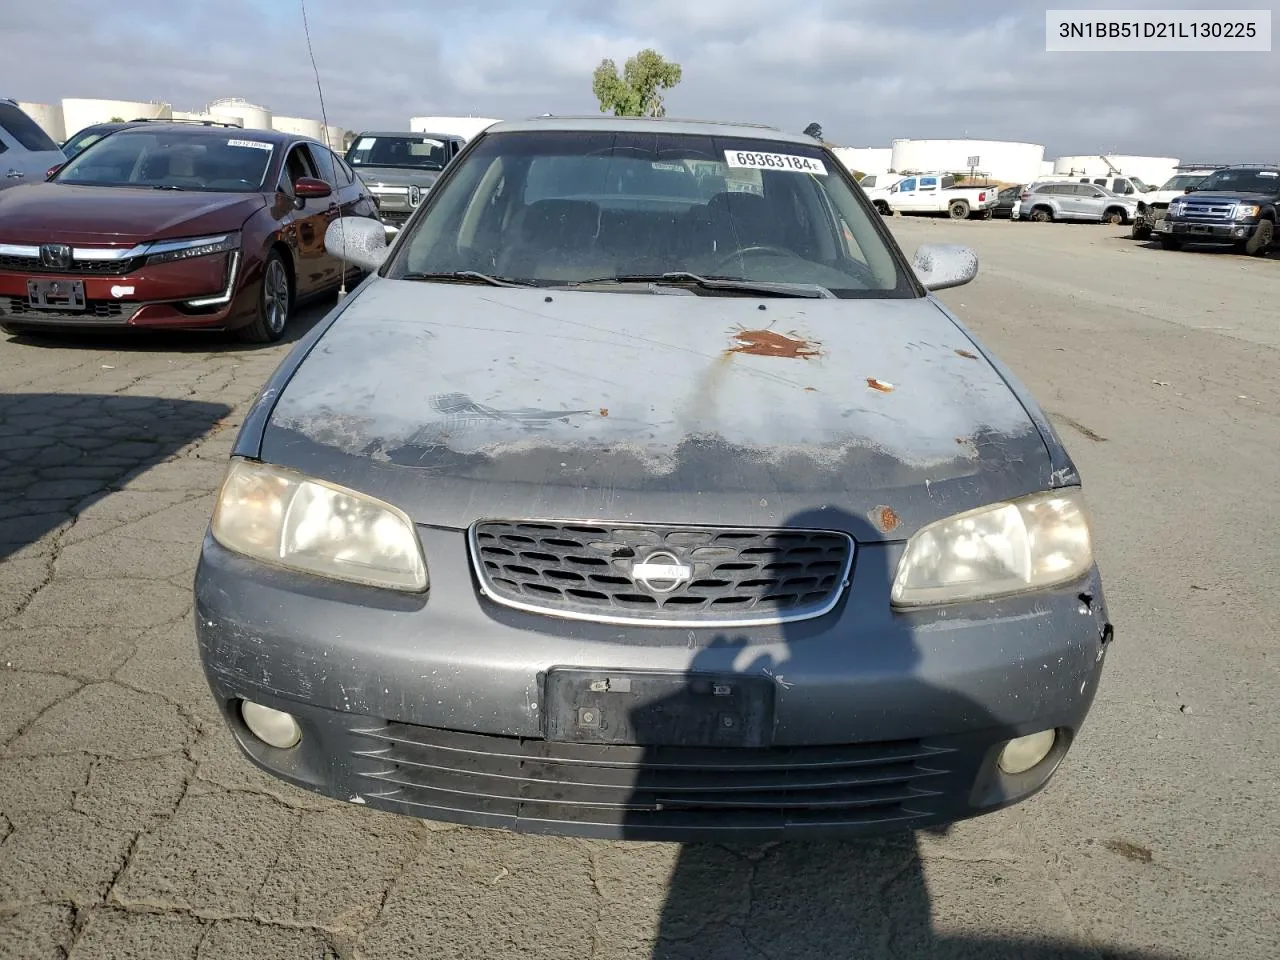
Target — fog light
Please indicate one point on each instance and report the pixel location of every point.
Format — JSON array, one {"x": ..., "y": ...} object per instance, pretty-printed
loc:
[
  {"x": 273, "y": 727},
  {"x": 1020, "y": 755}
]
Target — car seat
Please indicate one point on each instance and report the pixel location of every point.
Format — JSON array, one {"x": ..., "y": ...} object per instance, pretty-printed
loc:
[{"x": 557, "y": 241}]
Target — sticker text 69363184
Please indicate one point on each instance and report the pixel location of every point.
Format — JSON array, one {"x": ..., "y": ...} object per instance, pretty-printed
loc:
[
  {"x": 774, "y": 161},
  {"x": 254, "y": 144}
]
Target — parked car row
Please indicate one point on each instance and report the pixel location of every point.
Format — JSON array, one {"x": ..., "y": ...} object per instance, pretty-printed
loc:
[
  {"x": 1235, "y": 205},
  {"x": 173, "y": 225},
  {"x": 193, "y": 224}
]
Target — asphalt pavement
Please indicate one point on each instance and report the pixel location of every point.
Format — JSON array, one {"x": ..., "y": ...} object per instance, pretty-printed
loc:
[{"x": 131, "y": 828}]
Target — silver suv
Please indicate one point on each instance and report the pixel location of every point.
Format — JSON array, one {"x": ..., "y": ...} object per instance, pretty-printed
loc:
[
  {"x": 1043, "y": 202},
  {"x": 26, "y": 151}
]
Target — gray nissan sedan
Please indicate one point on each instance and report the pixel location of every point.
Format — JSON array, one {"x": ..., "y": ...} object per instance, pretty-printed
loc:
[{"x": 644, "y": 490}]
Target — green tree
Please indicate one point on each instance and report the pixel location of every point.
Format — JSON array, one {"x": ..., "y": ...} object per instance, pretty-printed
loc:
[
  {"x": 116, "y": 120},
  {"x": 637, "y": 92}
]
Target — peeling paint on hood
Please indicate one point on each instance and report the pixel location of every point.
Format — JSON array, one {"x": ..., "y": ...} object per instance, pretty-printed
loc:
[{"x": 601, "y": 394}]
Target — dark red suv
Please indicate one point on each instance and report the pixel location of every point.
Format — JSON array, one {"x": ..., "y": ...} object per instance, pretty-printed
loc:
[{"x": 173, "y": 226}]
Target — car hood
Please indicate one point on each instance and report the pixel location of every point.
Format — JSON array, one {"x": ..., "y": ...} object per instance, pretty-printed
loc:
[
  {"x": 1226, "y": 196},
  {"x": 459, "y": 402},
  {"x": 65, "y": 213},
  {"x": 397, "y": 176}
]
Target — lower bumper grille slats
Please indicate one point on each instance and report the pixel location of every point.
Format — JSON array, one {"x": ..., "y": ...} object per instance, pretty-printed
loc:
[
  {"x": 585, "y": 783},
  {"x": 95, "y": 311}
]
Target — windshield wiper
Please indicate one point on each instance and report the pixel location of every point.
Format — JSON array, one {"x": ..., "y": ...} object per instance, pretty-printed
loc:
[
  {"x": 469, "y": 276},
  {"x": 166, "y": 186},
  {"x": 809, "y": 290}
]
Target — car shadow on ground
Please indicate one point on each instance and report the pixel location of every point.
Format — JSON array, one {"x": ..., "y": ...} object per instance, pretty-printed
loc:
[
  {"x": 61, "y": 452},
  {"x": 1217, "y": 249},
  {"x": 173, "y": 341},
  {"x": 821, "y": 899}
]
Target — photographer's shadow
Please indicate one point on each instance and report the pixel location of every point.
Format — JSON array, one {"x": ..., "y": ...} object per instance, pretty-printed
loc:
[{"x": 758, "y": 896}]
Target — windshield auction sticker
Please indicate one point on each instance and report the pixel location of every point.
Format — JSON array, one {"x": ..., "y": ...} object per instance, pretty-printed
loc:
[
  {"x": 1156, "y": 31},
  {"x": 774, "y": 161},
  {"x": 255, "y": 144}
]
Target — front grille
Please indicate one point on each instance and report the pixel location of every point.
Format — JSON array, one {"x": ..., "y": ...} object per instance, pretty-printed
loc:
[
  {"x": 658, "y": 787},
  {"x": 394, "y": 198},
  {"x": 397, "y": 218},
  {"x": 93, "y": 267},
  {"x": 584, "y": 571},
  {"x": 1209, "y": 211},
  {"x": 19, "y": 308}
]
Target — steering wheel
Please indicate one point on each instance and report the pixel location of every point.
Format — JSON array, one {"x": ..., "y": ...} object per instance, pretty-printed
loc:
[{"x": 753, "y": 251}]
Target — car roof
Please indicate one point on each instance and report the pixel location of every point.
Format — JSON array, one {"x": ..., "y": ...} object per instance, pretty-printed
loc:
[
  {"x": 408, "y": 133},
  {"x": 274, "y": 137},
  {"x": 706, "y": 128}
]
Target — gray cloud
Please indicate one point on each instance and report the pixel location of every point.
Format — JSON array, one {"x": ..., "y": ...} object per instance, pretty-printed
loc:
[{"x": 868, "y": 71}]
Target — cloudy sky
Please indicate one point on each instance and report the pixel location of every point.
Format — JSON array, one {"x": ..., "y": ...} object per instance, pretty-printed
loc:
[{"x": 867, "y": 70}]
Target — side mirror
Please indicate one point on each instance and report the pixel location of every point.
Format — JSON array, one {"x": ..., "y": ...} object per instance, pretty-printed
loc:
[
  {"x": 358, "y": 240},
  {"x": 942, "y": 265},
  {"x": 309, "y": 188},
  {"x": 49, "y": 174},
  {"x": 1190, "y": 190}
]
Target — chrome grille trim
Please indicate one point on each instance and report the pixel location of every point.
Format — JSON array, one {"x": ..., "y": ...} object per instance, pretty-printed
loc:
[{"x": 664, "y": 618}]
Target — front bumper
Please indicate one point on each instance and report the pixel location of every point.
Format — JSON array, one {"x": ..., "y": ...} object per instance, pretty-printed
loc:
[
  {"x": 1234, "y": 231},
  {"x": 436, "y": 707},
  {"x": 156, "y": 296}
]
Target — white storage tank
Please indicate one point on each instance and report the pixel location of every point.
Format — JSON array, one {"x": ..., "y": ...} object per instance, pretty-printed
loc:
[
  {"x": 1005, "y": 161},
  {"x": 335, "y": 137},
  {"x": 250, "y": 115},
  {"x": 868, "y": 160},
  {"x": 1150, "y": 170},
  {"x": 465, "y": 127},
  {"x": 80, "y": 113},
  {"x": 1046, "y": 168},
  {"x": 300, "y": 126}
]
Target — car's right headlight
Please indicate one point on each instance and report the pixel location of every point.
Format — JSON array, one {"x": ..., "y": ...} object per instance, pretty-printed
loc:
[
  {"x": 166, "y": 251},
  {"x": 1005, "y": 548},
  {"x": 290, "y": 520}
]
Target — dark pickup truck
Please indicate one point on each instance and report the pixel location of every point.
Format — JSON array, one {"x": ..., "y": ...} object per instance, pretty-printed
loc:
[
  {"x": 1235, "y": 205},
  {"x": 399, "y": 168}
]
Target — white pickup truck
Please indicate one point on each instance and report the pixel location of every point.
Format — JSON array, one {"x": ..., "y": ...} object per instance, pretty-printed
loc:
[{"x": 937, "y": 193}]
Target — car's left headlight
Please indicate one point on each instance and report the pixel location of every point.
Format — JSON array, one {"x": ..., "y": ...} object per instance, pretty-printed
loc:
[
  {"x": 1247, "y": 211},
  {"x": 166, "y": 251},
  {"x": 1005, "y": 548},
  {"x": 284, "y": 518}
]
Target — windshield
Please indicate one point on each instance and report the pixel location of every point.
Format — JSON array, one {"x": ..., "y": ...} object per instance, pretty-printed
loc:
[
  {"x": 1182, "y": 181},
  {"x": 173, "y": 160},
  {"x": 561, "y": 207},
  {"x": 82, "y": 141},
  {"x": 422, "y": 152},
  {"x": 1242, "y": 181}
]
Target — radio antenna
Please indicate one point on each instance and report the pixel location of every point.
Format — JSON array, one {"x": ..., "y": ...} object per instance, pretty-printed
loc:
[{"x": 324, "y": 118}]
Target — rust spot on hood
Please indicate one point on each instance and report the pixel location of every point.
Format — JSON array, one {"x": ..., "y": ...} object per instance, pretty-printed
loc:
[
  {"x": 770, "y": 343},
  {"x": 886, "y": 518},
  {"x": 880, "y": 385},
  {"x": 966, "y": 354},
  {"x": 604, "y": 411},
  {"x": 810, "y": 389}
]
